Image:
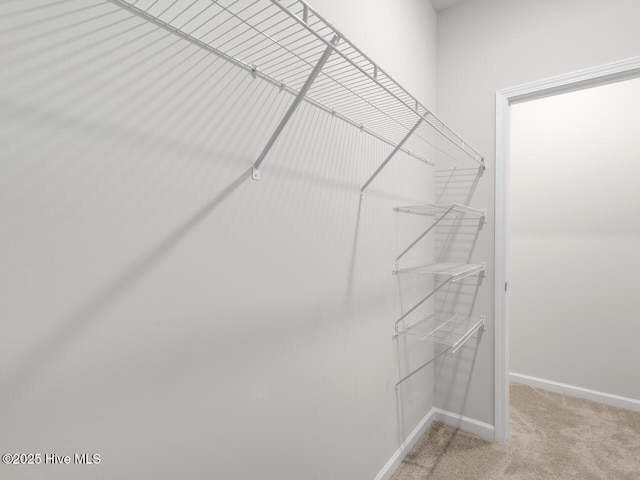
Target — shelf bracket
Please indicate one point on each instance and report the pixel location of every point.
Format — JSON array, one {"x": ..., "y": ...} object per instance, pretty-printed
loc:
[
  {"x": 407, "y": 377},
  {"x": 423, "y": 234},
  {"x": 431, "y": 294},
  {"x": 292, "y": 108},
  {"x": 391, "y": 155}
]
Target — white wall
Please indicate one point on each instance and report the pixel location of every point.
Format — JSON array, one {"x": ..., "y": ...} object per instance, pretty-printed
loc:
[
  {"x": 574, "y": 253},
  {"x": 486, "y": 45},
  {"x": 162, "y": 309}
]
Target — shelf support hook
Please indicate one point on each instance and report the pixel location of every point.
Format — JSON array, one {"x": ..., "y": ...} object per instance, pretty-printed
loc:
[
  {"x": 391, "y": 155},
  {"x": 292, "y": 108}
]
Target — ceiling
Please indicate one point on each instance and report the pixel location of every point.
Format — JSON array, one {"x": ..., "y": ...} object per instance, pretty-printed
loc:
[{"x": 441, "y": 5}]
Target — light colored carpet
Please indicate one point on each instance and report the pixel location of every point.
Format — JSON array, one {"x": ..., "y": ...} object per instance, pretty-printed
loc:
[{"x": 552, "y": 437}]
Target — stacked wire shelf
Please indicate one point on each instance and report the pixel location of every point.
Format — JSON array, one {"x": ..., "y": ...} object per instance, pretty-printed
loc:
[
  {"x": 448, "y": 330},
  {"x": 454, "y": 271}
]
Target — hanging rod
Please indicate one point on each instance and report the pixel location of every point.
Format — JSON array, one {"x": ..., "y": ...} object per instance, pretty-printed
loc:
[{"x": 282, "y": 42}]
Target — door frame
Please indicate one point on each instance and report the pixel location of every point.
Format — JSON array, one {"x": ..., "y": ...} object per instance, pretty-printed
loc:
[{"x": 591, "y": 77}]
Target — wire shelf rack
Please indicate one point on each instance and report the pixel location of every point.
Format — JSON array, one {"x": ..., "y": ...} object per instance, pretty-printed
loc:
[
  {"x": 448, "y": 330},
  {"x": 439, "y": 211},
  {"x": 453, "y": 271},
  {"x": 433, "y": 209},
  {"x": 290, "y": 45}
]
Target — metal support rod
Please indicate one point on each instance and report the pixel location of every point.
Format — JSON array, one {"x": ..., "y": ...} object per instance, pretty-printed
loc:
[
  {"x": 292, "y": 108},
  {"x": 425, "y": 232},
  {"x": 454, "y": 348},
  {"x": 422, "y": 301},
  {"x": 406, "y": 377},
  {"x": 395, "y": 150},
  {"x": 466, "y": 336}
]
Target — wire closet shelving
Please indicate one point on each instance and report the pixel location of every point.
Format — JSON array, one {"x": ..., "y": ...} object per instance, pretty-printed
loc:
[
  {"x": 453, "y": 271},
  {"x": 446, "y": 329},
  {"x": 439, "y": 211},
  {"x": 288, "y": 44}
]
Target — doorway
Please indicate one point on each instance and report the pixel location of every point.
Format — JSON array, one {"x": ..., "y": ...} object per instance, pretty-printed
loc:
[{"x": 505, "y": 99}]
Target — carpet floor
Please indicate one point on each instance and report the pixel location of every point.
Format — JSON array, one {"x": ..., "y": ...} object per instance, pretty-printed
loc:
[{"x": 552, "y": 436}]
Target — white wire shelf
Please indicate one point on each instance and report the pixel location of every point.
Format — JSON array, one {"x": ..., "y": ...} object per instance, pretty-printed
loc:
[
  {"x": 433, "y": 209},
  {"x": 447, "y": 329},
  {"x": 439, "y": 211},
  {"x": 453, "y": 271},
  {"x": 288, "y": 44}
]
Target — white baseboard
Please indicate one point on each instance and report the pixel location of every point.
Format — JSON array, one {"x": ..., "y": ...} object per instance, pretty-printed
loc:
[
  {"x": 467, "y": 424},
  {"x": 579, "y": 392},
  {"x": 396, "y": 459},
  {"x": 435, "y": 414}
]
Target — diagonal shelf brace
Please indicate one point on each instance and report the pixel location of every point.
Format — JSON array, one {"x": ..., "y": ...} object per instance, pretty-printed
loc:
[
  {"x": 453, "y": 348},
  {"x": 408, "y": 376},
  {"x": 479, "y": 269},
  {"x": 292, "y": 108},
  {"x": 431, "y": 294},
  {"x": 391, "y": 155},
  {"x": 421, "y": 236}
]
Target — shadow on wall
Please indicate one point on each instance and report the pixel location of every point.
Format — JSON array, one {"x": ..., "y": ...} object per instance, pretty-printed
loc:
[
  {"x": 101, "y": 108},
  {"x": 456, "y": 237},
  {"x": 458, "y": 372},
  {"x": 456, "y": 241},
  {"x": 465, "y": 362},
  {"x": 92, "y": 83},
  {"x": 110, "y": 81},
  {"x": 145, "y": 273},
  {"x": 68, "y": 330}
]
